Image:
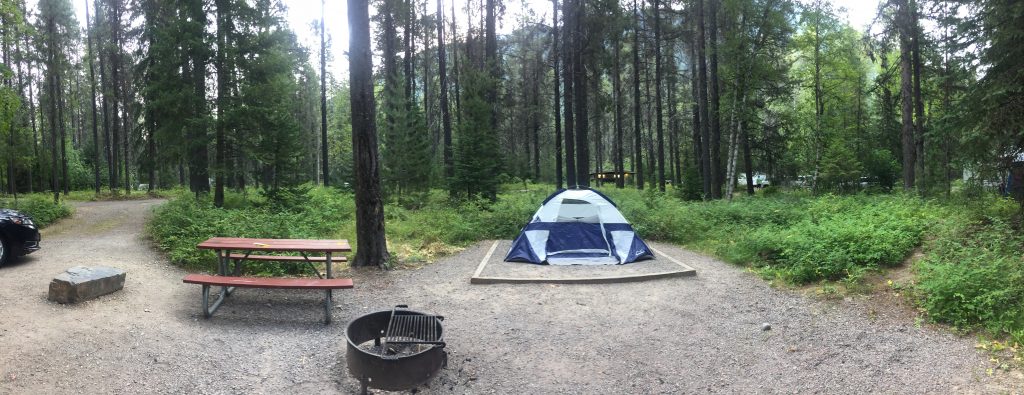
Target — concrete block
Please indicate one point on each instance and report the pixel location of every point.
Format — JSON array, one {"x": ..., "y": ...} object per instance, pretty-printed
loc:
[{"x": 82, "y": 283}]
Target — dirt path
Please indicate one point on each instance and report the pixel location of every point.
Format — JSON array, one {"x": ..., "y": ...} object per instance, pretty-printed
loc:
[{"x": 691, "y": 335}]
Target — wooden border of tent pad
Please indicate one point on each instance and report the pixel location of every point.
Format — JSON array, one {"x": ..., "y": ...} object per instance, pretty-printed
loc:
[{"x": 684, "y": 271}]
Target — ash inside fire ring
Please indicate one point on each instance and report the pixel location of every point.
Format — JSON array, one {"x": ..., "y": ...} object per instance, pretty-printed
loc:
[{"x": 393, "y": 350}]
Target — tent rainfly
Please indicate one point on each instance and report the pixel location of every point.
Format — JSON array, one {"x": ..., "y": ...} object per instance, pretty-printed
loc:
[{"x": 578, "y": 227}]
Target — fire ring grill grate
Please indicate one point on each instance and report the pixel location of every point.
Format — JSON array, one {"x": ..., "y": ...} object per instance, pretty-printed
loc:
[{"x": 409, "y": 329}]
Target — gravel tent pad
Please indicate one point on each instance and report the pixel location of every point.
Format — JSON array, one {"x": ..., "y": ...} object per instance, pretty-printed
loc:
[{"x": 493, "y": 270}]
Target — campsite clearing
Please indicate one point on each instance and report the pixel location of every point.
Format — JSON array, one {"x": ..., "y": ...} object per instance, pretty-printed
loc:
[{"x": 692, "y": 334}]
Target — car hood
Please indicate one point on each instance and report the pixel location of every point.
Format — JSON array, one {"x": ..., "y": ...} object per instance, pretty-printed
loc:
[{"x": 6, "y": 212}]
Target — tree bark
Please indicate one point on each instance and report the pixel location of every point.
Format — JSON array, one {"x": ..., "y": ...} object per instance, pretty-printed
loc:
[
  {"x": 32, "y": 115},
  {"x": 659, "y": 122},
  {"x": 906, "y": 93},
  {"x": 702, "y": 88},
  {"x": 580, "y": 95},
  {"x": 569, "y": 34},
  {"x": 620, "y": 179},
  {"x": 92, "y": 85},
  {"x": 713, "y": 101},
  {"x": 108, "y": 145},
  {"x": 407, "y": 66},
  {"x": 558, "y": 96},
  {"x": 695, "y": 111},
  {"x": 919, "y": 133},
  {"x": 371, "y": 249},
  {"x": 638, "y": 160},
  {"x": 61, "y": 105},
  {"x": 325, "y": 168},
  {"x": 535, "y": 114},
  {"x": 114, "y": 19},
  {"x": 223, "y": 18},
  {"x": 456, "y": 70},
  {"x": 446, "y": 117},
  {"x": 819, "y": 99},
  {"x": 51, "y": 74},
  {"x": 198, "y": 164},
  {"x": 4, "y": 31}
]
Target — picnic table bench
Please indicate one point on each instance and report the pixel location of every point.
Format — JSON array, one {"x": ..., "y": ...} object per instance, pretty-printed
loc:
[{"x": 241, "y": 250}]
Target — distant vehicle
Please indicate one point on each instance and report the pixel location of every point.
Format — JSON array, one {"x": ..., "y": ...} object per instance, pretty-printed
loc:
[
  {"x": 18, "y": 235},
  {"x": 803, "y": 181},
  {"x": 760, "y": 180}
]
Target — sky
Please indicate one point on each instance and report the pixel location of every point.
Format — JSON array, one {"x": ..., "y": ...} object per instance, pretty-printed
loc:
[{"x": 302, "y": 13}]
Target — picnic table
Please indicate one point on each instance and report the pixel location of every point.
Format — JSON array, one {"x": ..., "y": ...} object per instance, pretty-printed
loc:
[{"x": 241, "y": 250}]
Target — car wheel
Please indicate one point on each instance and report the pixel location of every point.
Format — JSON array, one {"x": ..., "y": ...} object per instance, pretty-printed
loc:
[{"x": 5, "y": 252}]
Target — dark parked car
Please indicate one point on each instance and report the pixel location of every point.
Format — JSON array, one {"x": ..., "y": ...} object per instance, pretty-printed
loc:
[{"x": 18, "y": 235}]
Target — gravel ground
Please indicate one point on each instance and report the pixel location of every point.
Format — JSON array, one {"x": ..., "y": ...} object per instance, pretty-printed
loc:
[{"x": 683, "y": 335}]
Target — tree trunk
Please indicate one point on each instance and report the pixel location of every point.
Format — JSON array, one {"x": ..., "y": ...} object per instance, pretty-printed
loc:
[
  {"x": 598, "y": 122},
  {"x": 4, "y": 31},
  {"x": 535, "y": 114},
  {"x": 61, "y": 105},
  {"x": 115, "y": 83},
  {"x": 620, "y": 179},
  {"x": 906, "y": 93},
  {"x": 456, "y": 70},
  {"x": 748, "y": 165},
  {"x": 198, "y": 164},
  {"x": 919, "y": 133},
  {"x": 558, "y": 96},
  {"x": 325, "y": 168},
  {"x": 673, "y": 121},
  {"x": 580, "y": 95},
  {"x": 54, "y": 86},
  {"x": 407, "y": 66},
  {"x": 638, "y": 160},
  {"x": 713, "y": 99},
  {"x": 371, "y": 249},
  {"x": 223, "y": 18},
  {"x": 92, "y": 85},
  {"x": 32, "y": 115},
  {"x": 695, "y": 111},
  {"x": 446, "y": 117},
  {"x": 702, "y": 87},
  {"x": 659, "y": 126},
  {"x": 569, "y": 34},
  {"x": 108, "y": 142},
  {"x": 819, "y": 99}
]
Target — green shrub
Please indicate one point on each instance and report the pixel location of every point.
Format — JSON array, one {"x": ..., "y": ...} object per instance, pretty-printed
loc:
[
  {"x": 39, "y": 206},
  {"x": 439, "y": 226},
  {"x": 973, "y": 277},
  {"x": 842, "y": 237}
]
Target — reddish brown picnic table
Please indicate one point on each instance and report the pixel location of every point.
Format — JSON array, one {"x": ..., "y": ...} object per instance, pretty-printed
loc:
[{"x": 241, "y": 249}]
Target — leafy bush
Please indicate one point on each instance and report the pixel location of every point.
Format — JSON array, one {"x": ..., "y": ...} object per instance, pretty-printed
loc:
[
  {"x": 973, "y": 276},
  {"x": 40, "y": 207},
  {"x": 842, "y": 237}
]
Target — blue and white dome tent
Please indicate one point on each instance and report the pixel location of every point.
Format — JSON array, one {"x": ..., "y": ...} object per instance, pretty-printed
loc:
[{"x": 578, "y": 227}]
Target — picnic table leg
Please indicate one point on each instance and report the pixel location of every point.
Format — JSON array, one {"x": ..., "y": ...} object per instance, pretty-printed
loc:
[
  {"x": 222, "y": 269},
  {"x": 327, "y": 297}
]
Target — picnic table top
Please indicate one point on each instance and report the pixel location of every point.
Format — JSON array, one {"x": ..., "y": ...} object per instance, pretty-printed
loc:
[{"x": 247, "y": 244}]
